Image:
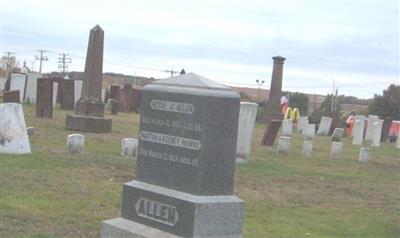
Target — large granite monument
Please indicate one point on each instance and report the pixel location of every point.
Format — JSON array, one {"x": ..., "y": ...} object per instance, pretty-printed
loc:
[
  {"x": 89, "y": 110},
  {"x": 186, "y": 164},
  {"x": 273, "y": 107}
]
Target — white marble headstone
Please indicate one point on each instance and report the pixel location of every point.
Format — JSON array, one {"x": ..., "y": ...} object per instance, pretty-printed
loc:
[
  {"x": 76, "y": 143},
  {"x": 287, "y": 127},
  {"x": 13, "y": 135},
  {"x": 18, "y": 83},
  {"x": 324, "y": 126},
  {"x": 78, "y": 89},
  {"x": 129, "y": 147},
  {"x": 31, "y": 87},
  {"x": 376, "y": 134},
  {"x": 247, "y": 121},
  {"x": 309, "y": 133},
  {"x": 336, "y": 150},
  {"x": 370, "y": 125},
  {"x": 55, "y": 91},
  {"x": 358, "y": 132},
  {"x": 283, "y": 145}
]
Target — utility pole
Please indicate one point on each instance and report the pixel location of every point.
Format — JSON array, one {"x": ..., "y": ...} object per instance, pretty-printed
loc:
[
  {"x": 171, "y": 71},
  {"x": 9, "y": 54},
  {"x": 259, "y": 83},
  {"x": 63, "y": 62},
  {"x": 41, "y": 58}
]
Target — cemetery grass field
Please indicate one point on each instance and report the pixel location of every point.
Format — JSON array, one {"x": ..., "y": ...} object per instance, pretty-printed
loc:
[{"x": 51, "y": 193}]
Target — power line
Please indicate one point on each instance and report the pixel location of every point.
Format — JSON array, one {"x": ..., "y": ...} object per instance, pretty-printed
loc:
[
  {"x": 8, "y": 57},
  {"x": 63, "y": 62},
  {"x": 41, "y": 58}
]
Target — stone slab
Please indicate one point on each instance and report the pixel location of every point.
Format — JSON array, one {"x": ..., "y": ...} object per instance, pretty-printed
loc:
[
  {"x": 309, "y": 133},
  {"x": 123, "y": 228},
  {"x": 364, "y": 155},
  {"x": 358, "y": 132},
  {"x": 336, "y": 150},
  {"x": 55, "y": 93},
  {"x": 283, "y": 145},
  {"x": 31, "y": 87},
  {"x": 77, "y": 90},
  {"x": 287, "y": 127},
  {"x": 247, "y": 120},
  {"x": 67, "y": 92},
  {"x": 18, "y": 82},
  {"x": 324, "y": 126},
  {"x": 88, "y": 124},
  {"x": 337, "y": 134},
  {"x": 11, "y": 96},
  {"x": 13, "y": 134},
  {"x": 76, "y": 143},
  {"x": 188, "y": 136},
  {"x": 180, "y": 213},
  {"x": 44, "y": 98},
  {"x": 376, "y": 134},
  {"x": 370, "y": 125},
  {"x": 307, "y": 148}
]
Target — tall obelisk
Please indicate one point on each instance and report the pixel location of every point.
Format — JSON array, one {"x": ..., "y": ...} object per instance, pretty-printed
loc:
[{"x": 89, "y": 110}]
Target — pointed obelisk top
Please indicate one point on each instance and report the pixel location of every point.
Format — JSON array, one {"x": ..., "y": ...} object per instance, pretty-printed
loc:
[{"x": 94, "y": 65}]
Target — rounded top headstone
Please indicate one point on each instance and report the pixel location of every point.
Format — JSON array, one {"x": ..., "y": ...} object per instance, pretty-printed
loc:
[{"x": 192, "y": 80}]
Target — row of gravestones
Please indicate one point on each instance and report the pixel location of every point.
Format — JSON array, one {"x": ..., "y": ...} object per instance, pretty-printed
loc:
[{"x": 123, "y": 100}]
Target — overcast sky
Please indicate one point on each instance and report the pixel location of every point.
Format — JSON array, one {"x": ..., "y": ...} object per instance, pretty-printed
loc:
[{"x": 356, "y": 43}]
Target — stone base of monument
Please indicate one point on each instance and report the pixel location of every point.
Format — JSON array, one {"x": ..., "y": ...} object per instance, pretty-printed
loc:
[
  {"x": 160, "y": 209},
  {"x": 88, "y": 124},
  {"x": 122, "y": 228}
]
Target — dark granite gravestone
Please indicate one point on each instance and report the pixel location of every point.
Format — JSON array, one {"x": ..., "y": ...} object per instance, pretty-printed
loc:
[
  {"x": 44, "y": 98},
  {"x": 387, "y": 123},
  {"x": 67, "y": 94},
  {"x": 11, "y": 96},
  {"x": 114, "y": 91},
  {"x": 270, "y": 132},
  {"x": 114, "y": 108},
  {"x": 129, "y": 99},
  {"x": 186, "y": 163},
  {"x": 89, "y": 111},
  {"x": 273, "y": 105}
]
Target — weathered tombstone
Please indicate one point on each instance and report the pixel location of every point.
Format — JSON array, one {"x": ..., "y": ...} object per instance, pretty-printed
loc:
[
  {"x": 376, "y": 134},
  {"x": 186, "y": 163},
  {"x": 31, "y": 87},
  {"x": 129, "y": 98},
  {"x": 387, "y": 123},
  {"x": 307, "y": 148},
  {"x": 11, "y": 96},
  {"x": 273, "y": 106},
  {"x": 30, "y": 131},
  {"x": 337, "y": 134},
  {"x": 76, "y": 143},
  {"x": 44, "y": 98},
  {"x": 114, "y": 91},
  {"x": 324, "y": 126},
  {"x": 247, "y": 121},
  {"x": 129, "y": 147},
  {"x": 287, "y": 127},
  {"x": 103, "y": 95},
  {"x": 67, "y": 94},
  {"x": 370, "y": 124},
  {"x": 309, "y": 133},
  {"x": 77, "y": 90},
  {"x": 18, "y": 82},
  {"x": 302, "y": 123},
  {"x": 270, "y": 132},
  {"x": 55, "y": 93},
  {"x": 358, "y": 132},
  {"x": 13, "y": 135},
  {"x": 364, "y": 155},
  {"x": 336, "y": 150},
  {"x": 283, "y": 145},
  {"x": 89, "y": 111}
]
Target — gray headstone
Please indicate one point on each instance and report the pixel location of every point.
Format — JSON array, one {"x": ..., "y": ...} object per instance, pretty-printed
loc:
[
  {"x": 287, "y": 127},
  {"x": 18, "y": 82},
  {"x": 186, "y": 161},
  {"x": 336, "y": 150},
  {"x": 247, "y": 120},
  {"x": 283, "y": 145},
  {"x": 129, "y": 147},
  {"x": 337, "y": 134},
  {"x": 358, "y": 132},
  {"x": 307, "y": 148},
  {"x": 370, "y": 125},
  {"x": 76, "y": 143},
  {"x": 324, "y": 126},
  {"x": 364, "y": 155},
  {"x": 376, "y": 134}
]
